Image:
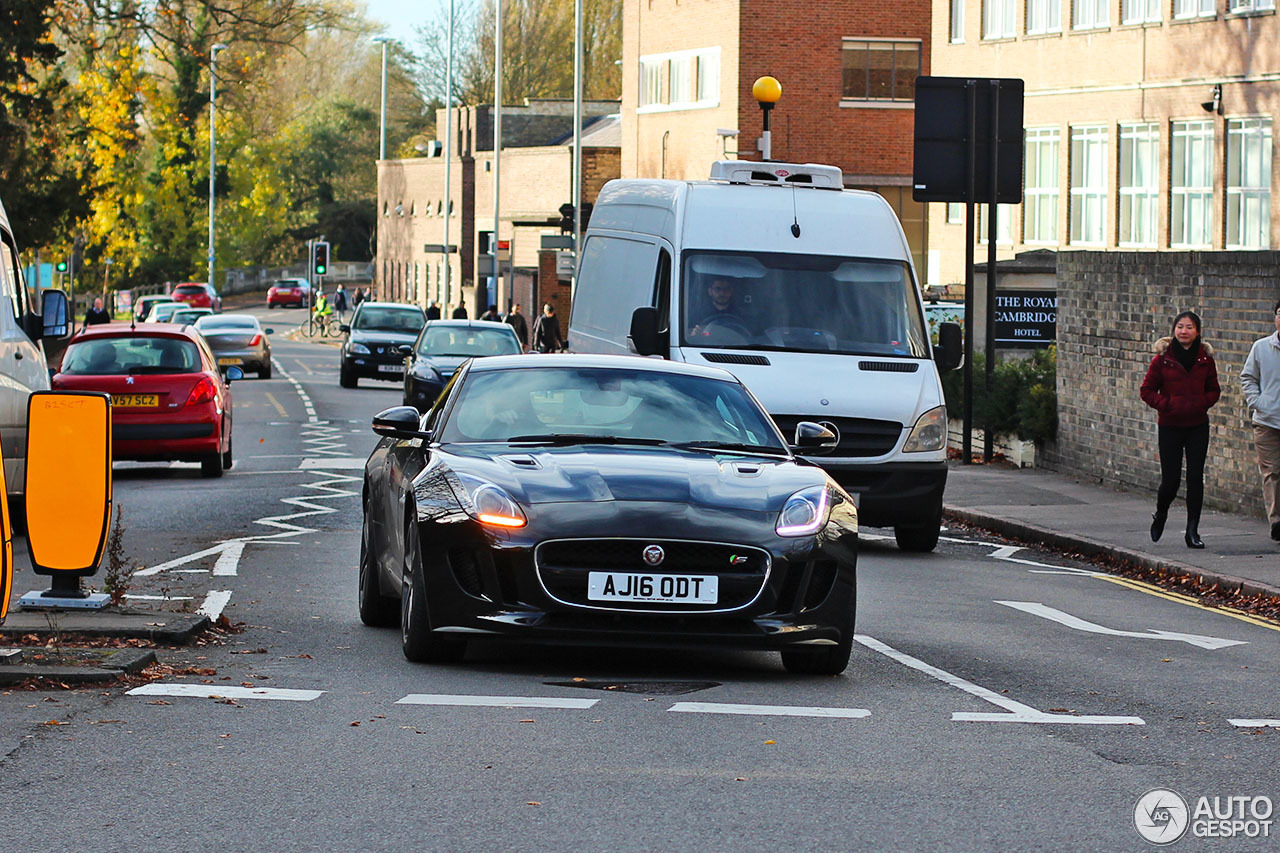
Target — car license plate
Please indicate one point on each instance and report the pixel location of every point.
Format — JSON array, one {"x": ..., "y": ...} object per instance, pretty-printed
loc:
[
  {"x": 391, "y": 368},
  {"x": 225, "y": 362},
  {"x": 673, "y": 589},
  {"x": 127, "y": 400}
]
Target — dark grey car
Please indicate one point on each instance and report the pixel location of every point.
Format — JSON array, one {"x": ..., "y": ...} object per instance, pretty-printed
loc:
[{"x": 237, "y": 340}]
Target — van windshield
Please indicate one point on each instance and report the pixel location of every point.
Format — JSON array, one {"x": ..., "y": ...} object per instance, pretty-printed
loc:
[{"x": 804, "y": 303}]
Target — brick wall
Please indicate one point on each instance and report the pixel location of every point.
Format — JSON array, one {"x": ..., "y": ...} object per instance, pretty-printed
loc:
[{"x": 1112, "y": 306}]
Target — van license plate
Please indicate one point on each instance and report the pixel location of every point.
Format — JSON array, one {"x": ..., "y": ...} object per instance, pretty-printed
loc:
[
  {"x": 670, "y": 589},
  {"x": 135, "y": 400}
]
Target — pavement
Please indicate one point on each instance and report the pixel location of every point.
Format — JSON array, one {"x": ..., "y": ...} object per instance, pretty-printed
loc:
[{"x": 1080, "y": 515}]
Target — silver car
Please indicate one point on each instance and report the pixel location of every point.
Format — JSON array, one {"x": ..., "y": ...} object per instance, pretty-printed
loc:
[{"x": 237, "y": 340}]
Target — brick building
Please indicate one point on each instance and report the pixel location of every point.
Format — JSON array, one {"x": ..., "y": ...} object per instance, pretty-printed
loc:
[
  {"x": 1148, "y": 124},
  {"x": 847, "y": 69},
  {"x": 536, "y": 178}
]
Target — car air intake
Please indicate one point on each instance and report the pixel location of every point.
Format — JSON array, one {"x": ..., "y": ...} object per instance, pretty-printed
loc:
[
  {"x": 890, "y": 366},
  {"x": 734, "y": 358}
]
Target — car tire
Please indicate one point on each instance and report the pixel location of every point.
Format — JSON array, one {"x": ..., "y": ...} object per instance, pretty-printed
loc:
[
  {"x": 420, "y": 645},
  {"x": 265, "y": 371},
  {"x": 376, "y": 609},
  {"x": 211, "y": 465},
  {"x": 825, "y": 660},
  {"x": 920, "y": 538},
  {"x": 227, "y": 458},
  {"x": 347, "y": 377}
]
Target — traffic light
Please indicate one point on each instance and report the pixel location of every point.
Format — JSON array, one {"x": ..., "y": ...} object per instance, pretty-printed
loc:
[
  {"x": 62, "y": 266},
  {"x": 322, "y": 259}
]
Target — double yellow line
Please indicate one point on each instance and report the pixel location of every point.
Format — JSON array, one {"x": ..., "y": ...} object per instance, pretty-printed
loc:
[{"x": 1180, "y": 598}]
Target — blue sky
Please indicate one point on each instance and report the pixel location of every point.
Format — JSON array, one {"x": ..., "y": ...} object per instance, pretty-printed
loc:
[{"x": 400, "y": 17}]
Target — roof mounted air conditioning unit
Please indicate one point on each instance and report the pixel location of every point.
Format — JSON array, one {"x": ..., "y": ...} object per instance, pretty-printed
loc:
[{"x": 778, "y": 174}]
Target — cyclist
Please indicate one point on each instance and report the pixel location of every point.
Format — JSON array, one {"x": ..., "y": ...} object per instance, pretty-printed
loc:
[{"x": 322, "y": 312}]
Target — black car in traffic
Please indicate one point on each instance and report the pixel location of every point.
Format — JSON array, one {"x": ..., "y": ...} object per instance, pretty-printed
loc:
[
  {"x": 443, "y": 346},
  {"x": 371, "y": 349},
  {"x": 605, "y": 500}
]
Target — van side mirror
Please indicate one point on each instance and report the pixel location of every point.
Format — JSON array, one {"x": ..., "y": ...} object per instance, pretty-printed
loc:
[
  {"x": 345, "y": 328},
  {"x": 950, "y": 349},
  {"x": 646, "y": 338},
  {"x": 55, "y": 312}
]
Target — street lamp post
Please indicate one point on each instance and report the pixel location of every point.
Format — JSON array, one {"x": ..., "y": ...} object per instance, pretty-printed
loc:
[
  {"x": 577, "y": 141},
  {"x": 213, "y": 99},
  {"x": 382, "y": 123},
  {"x": 448, "y": 156},
  {"x": 497, "y": 146},
  {"x": 767, "y": 91}
]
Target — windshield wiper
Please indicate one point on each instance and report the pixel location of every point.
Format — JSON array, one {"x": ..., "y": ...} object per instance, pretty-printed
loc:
[
  {"x": 566, "y": 438},
  {"x": 730, "y": 446}
]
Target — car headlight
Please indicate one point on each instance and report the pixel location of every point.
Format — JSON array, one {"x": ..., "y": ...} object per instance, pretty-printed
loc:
[
  {"x": 805, "y": 513},
  {"x": 490, "y": 504},
  {"x": 358, "y": 349},
  {"x": 930, "y": 431}
]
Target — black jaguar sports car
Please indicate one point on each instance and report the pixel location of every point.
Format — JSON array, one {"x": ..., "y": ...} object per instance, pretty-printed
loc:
[{"x": 605, "y": 500}]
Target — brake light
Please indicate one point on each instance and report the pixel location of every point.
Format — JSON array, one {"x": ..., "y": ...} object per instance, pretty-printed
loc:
[
  {"x": 257, "y": 339},
  {"x": 204, "y": 392}
]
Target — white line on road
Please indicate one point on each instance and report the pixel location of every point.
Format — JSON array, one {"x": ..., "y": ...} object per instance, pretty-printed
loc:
[
  {"x": 1037, "y": 609},
  {"x": 214, "y": 603},
  {"x": 338, "y": 463},
  {"x": 1256, "y": 724},
  {"x": 1018, "y": 712},
  {"x": 494, "y": 701},
  {"x": 213, "y": 691},
  {"x": 767, "y": 710}
]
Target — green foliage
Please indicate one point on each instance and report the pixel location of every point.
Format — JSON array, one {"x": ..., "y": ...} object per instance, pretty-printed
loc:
[{"x": 1023, "y": 399}]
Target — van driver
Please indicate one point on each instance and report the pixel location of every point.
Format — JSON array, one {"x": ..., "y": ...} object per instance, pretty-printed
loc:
[{"x": 725, "y": 312}]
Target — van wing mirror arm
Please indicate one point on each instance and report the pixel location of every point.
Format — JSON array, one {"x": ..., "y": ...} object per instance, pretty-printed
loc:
[
  {"x": 646, "y": 338},
  {"x": 949, "y": 352}
]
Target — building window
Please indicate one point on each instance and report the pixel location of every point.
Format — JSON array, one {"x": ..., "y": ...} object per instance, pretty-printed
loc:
[
  {"x": 1004, "y": 224},
  {"x": 957, "y": 21},
  {"x": 1088, "y": 185},
  {"x": 1191, "y": 201},
  {"x": 998, "y": 19},
  {"x": 880, "y": 70},
  {"x": 692, "y": 80},
  {"x": 709, "y": 77},
  {"x": 955, "y": 212},
  {"x": 1252, "y": 5},
  {"x": 1249, "y": 183},
  {"x": 1183, "y": 9},
  {"x": 651, "y": 81},
  {"x": 1044, "y": 16},
  {"x": 1139, "y": 184},
  {"x": 1090, "y": 14},
  {"x": 679, "y": 89},
  {"x": 1139, "y": 11},
  {"x": 1040, "y": 201}
]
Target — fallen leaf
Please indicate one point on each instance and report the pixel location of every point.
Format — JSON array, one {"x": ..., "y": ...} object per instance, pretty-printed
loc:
[
  {"x": 56, "y": 723},
  {"x": 159, "y": 702},
  {"x": 578, "y": 680},
  {"x": 1060, "y": 710},
  {"x": 533, "y": 803},
  {"x": 771, "y": 741},
  {"x": 528, "y": 721},
  {"x": 224, "y": 736},
  {"x": 1165, "y": 660},
  {"x": 740, "y": 779},
  {"x": 246, "y": 684},
  {"x": 355, "y": 722}
]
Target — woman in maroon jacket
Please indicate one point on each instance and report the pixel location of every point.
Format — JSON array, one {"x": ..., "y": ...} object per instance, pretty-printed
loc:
[{"x": 1182, "y": 385}]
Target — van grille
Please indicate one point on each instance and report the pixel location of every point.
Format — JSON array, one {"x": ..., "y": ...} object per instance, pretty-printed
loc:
[
  {"x": 734, "y": 358},
  {"x": 858, "y": 436},
  {"x": 890, "y": 366}
]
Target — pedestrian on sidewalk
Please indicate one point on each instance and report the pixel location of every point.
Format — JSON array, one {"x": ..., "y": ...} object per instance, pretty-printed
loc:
[
  {"x": 340, "y": 301},
  {"x": 516, "y": 320},
  {"x": 433, "y": 311},
  {"x": 1182, "y": 385},
  {"x": 460, "y": 313},
  {"x": 1260, "y": 380},
  {"x": 546, "y": 331}
]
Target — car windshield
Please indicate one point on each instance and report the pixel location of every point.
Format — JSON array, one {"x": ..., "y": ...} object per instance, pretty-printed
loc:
[
  {"x": 805, "y": 303},
  {"x": 224, "y": 321},
  {"x": 284, "y": 282},
  {"x": 380, "y": 319},
  {"x": 467, "y": 341},
  {"x": 189, "y": 289},
  {"x": 165, "y": 310},
  {"x": 189, "y": 316},
  {"x": 135, "y": 354},
  {"x": 552, "y": 404}
]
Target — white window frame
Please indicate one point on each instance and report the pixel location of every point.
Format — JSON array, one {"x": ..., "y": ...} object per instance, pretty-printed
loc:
[
  {"x": 683, "y": 69},
  {"x": 998, "y": 19},
  {"x": 1088, "y": 166},
  {"x": 1248, "y": 208},
  {"x": 955, "y": 213},
  {"x": 1191, "y": 184},
  {"x": 1139, "y": 11},
  {"x": 1139, "y": 185},
  {"x": 957, "y": 21},
  {"x": 1004, "y": 224},
  {"x": 1090, "y": 14},
  {"x": 1043, "y": 16},
  {"x": 1040, "y": 195},
  {"x": 1187, "y": 9},
  {"x": 1244, "y": 7}
]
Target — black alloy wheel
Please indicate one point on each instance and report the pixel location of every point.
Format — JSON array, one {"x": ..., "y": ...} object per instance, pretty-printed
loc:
[
  {"x": 265, "y": 371},
  {"x": 825, "y": 660},
  {"x": 376, "y": 609},
  {"x": 347, "y": 377},
  {"x": 419, "y": 643},
  {"x": 920, "y": 538}
]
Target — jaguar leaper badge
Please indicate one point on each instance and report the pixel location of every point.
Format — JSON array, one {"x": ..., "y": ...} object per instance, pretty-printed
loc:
[{"x": 654, "y": 555}]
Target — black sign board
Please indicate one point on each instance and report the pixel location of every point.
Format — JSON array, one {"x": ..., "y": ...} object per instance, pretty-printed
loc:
[
  {"x": 1026, "y": 318},
  {"x": 945, "y": 125}
]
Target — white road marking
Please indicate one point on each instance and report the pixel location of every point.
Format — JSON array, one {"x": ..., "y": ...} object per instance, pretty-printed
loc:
[
  {"x": 339, "y": 463},
  {"x": 229, "y": 560},
  {"x": 1255, "y": 724},
  {"x": 1037, "y": 609},
  {"x": 133, "y": 597},
  {"x": 1017, "y": 712},
  {"x": 767, "y": 710},
  {"x": 1005, "y": 551},
  {"x": 214, "y": 691},
  {"x": 494, "y": 701},
  {"x": 214, "y": 603}
]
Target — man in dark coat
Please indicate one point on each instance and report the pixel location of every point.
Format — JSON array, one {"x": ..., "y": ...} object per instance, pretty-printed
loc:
[
  {"x": 546, "y": 331},
  {"x": 433, "y": 312},
  {"x": 460, "y": 313},
  {"x": 97, "y": 314},
  {"x": 516, "y": 320}
]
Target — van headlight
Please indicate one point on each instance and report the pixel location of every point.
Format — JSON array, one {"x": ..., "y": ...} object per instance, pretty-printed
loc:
[
  {"x": 804, "y": 513},
  {"x": 490, "y": 504},
  {"x": 929, "y": 433}
]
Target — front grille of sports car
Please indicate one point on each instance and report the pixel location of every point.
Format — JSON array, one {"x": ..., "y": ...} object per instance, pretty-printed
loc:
[{"x": 565, "y": 565}]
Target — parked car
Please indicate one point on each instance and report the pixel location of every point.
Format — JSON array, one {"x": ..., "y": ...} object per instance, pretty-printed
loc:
[
  {"x": 197, "y": 294},
  {"x": 238, "y": 341},
  {"x": 186, "y": 316},
  {"x": 287, "y": 292},
  {"x": 143, "y": 304},
  {"x": 371, "y": 349},
  {"x": 605, "y": 499},
  {"x": 442, "y": 346},
  {"x": 161, "y": 311},
  {"x": 168, "y": 399}
]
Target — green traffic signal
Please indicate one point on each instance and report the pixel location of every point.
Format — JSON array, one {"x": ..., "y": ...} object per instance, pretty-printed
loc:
[{"x": 62, "y": 266}]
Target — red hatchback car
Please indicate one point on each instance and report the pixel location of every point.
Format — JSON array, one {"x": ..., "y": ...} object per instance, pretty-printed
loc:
[
  {"x": 168, "y": 400},
  {"x": 289, "y": 291},
  {"x": 197, "y": 295}
]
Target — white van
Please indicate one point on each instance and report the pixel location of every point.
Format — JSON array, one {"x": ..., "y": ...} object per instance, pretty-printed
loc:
[
  {"x": 23, "y": 366},
  {"x": 806, "y": 292}
]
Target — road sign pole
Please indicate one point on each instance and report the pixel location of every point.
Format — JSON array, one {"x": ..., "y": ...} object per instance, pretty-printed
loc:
[
  {"x": 966, "y": 441},
  {"x": 993, "y": 216}
]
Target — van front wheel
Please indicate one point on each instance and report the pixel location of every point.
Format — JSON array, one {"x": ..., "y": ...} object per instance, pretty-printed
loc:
[{"x": 919, "y": 538}]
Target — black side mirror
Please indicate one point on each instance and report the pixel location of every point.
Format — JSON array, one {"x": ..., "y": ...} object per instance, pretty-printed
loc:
[
  {"x": 54, "y": 309},
  {"x": 950, "y": 349},
  {"x": 268, "y": 331},
  {"x": 814, "y": 438},
  {"x": 399, "y": 422},
  {"x": 405, "y": 349},
  {"x": 345, "y": 328},
  {"x": 646, "y": 338},
  {"x": 234, "y": 374}
]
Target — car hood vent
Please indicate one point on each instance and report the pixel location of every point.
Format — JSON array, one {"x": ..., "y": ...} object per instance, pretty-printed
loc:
[
  {"x": 734, "y": 358},
  {"x": 526, "y": 462},
  {"x": 890, "y": 366}
]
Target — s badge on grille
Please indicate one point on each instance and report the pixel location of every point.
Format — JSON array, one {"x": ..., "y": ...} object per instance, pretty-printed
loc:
[
  {"x": 737, "y": 559},
  {"x": 654, "y": 555}
]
